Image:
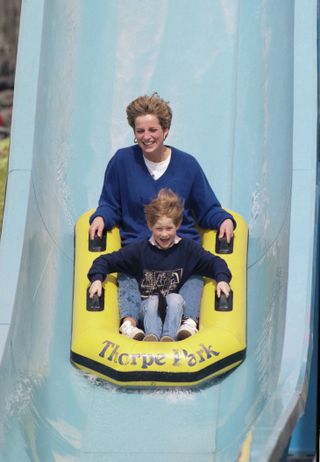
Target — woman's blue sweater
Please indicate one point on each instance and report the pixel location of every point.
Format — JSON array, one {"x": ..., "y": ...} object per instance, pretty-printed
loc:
[{"x": 128, "y": 186}]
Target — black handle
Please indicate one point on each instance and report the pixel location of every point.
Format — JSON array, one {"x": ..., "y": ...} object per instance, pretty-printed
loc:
[
  {"x": 223, "y": 246},
  {"x": 95, "y": 303},
  {"x": 98, "y": 244},
  {"x": 224, "y": 303}
]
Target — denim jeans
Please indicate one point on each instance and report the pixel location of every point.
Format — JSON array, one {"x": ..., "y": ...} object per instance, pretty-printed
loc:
[
  {"x": 191, "y": 292},
  {"x": 130, "y": 300},
  {"x": 151, "y": 317}
]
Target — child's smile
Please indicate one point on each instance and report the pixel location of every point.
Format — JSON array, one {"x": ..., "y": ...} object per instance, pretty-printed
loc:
[{"x": 164, "y": 232}]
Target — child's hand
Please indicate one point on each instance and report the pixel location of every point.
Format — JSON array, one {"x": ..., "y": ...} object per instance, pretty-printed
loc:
[
  {"x": 97, "y": 226},
  {"x": 226, "y": 229},
  {"x": 95, "y": 288},
  {"x": 223, "y": 287}
]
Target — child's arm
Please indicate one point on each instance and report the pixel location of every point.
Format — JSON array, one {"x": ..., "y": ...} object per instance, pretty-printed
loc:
[
  {"x": 125, "y": 260},
  {"x": 95, "y": 288},
  {"x": 223, "y": 287},
  {"x": 207, "y": 264}
]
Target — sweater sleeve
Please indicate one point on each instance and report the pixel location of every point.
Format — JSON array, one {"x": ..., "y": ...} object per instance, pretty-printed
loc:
[
  {"x": 125, "y": 260},
  {"x": 204, "y": 203},
  {"x": 209, "y": 265},
  {"x": 109, "y": 207}
]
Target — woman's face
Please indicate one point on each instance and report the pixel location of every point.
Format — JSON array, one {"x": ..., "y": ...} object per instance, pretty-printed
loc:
[{"x": 150, "y": 136}]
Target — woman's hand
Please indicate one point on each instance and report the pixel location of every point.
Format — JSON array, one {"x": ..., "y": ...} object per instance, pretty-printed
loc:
[
  {"x": 226, "y": 229},
  {"x": 95, "y": 288},
  {"x": 223, "y": 287},
  {"x": 96, "y": 227}
]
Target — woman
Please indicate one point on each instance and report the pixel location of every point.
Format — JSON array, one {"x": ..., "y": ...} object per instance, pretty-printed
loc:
[{"x": 133, "y": 177}]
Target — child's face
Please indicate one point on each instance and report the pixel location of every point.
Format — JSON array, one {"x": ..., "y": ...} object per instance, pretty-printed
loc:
[{"x": 164, "y": 232}]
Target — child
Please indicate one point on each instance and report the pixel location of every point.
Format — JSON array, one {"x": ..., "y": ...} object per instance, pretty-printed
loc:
[{"x": 161, "y": 265}]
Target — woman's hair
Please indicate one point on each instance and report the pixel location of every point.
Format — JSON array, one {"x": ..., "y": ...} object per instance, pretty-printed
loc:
[
  {"x": 167, "y": 204},
  {"x": 154, "y": 105}
]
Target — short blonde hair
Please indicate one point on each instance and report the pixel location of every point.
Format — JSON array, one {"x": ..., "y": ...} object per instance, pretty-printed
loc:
[
  {"x": 154, "y": 105},
  {"x": 167, "y": 204}
]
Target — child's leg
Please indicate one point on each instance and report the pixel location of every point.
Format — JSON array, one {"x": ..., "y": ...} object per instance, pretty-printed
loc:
[
  {"x": 175, "y": 305},
  {"x": 191, "y": 291},
  {"x": 151, "y": 318}
]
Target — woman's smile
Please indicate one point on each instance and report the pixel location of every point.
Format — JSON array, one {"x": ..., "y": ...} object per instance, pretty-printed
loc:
[{"x": 150, "y": 137}]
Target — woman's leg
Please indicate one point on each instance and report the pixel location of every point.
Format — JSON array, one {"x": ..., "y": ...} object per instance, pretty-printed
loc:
[
  {"x": 191, "y": 291},
  {"x": 172, "y": 322},
  {"x": 129, "y": 297},
  {"x": 129, "y": 306}
]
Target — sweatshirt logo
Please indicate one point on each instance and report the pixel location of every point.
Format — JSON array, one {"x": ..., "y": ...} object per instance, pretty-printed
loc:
[{"x": 160, "y": 282}]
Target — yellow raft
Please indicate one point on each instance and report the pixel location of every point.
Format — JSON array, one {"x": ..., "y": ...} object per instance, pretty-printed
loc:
[{"x": 98, "y": 348}]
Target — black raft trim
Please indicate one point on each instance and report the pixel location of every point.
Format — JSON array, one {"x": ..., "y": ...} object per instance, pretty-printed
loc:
[{"x": 152, "y": 376}]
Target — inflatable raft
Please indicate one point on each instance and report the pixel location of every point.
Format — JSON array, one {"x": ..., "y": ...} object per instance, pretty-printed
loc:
[{"x": 98, "y": 348}]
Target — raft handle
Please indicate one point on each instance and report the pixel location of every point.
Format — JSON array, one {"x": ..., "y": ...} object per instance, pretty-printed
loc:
[
  {"x": 95, "y": 303},
  {"x": 223, "y": 246},
  {"x": 98, "y": 244},
  {"x": 224, "y": 303}
]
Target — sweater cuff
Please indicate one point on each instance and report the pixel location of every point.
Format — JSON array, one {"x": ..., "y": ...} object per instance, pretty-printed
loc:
[
  {"x": 97, "y": 277},
  {"x": 228, "y": 217},
  {"x": 95, "y": 215},
  {"x": 223, "y": 277}
]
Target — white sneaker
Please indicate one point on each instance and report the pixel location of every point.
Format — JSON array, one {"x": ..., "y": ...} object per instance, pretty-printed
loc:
[
  {"x": 131, "y": 331},
  {"x": 187, "y": 328}
]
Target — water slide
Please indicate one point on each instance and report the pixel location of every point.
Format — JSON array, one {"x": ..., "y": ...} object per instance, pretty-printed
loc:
[{"x": 242, "y": 81}]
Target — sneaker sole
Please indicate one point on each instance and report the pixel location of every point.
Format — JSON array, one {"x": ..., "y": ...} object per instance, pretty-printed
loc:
[
  {"x": 183, "y": 335},
  {"x": 166, "y": 338},
  {"x": 139, "y": 336},
  {"x": 150, "y": 338}
]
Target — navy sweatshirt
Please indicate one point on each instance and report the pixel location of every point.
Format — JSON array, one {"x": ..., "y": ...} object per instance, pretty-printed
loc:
[
  {"x": 161, "y": 271},
  {"x": 128, "y": 186}
]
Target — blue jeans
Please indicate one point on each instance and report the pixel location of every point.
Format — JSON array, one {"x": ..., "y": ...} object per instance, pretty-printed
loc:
[
  {"x": 151, "y": 318},
  {"x": 130, "y": 300},
  {"x": 191, "y": 292}
]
